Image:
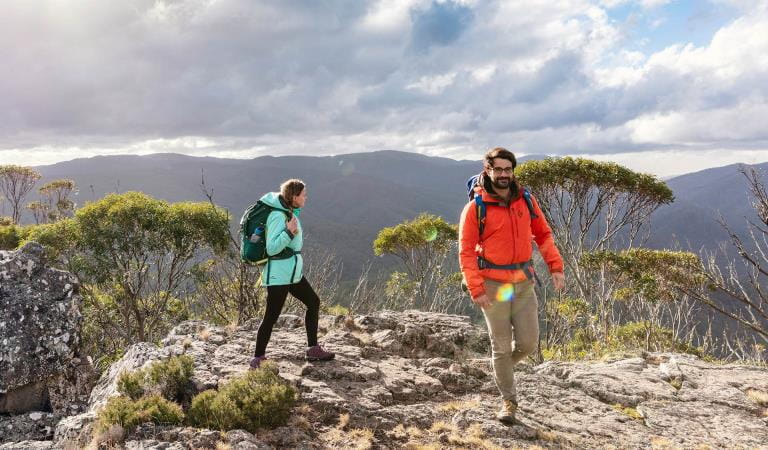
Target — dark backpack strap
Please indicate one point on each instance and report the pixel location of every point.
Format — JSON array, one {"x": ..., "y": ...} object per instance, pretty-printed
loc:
[
  {"x": 480, "y": 212},
  {"x": 529, "y": 203},
  {"x": 526, "y": 267}
]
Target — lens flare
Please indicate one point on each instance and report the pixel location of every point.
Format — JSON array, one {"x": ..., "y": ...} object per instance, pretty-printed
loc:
[
  {"x": 347, "y": 169},
  {"x": 430, "y": 234},
  {"x": 505, "y": 293}
]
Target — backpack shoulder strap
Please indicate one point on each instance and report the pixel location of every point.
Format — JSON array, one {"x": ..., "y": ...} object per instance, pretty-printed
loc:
[
  {"x": 529, "y": 203},
  {"x": 480, "y": 212}
]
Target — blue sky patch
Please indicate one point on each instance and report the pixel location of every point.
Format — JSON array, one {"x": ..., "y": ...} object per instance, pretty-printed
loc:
[{"x": 679, "y": 22}]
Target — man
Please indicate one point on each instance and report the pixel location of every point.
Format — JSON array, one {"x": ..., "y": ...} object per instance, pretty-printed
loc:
[{"x": 497, "y": 268}]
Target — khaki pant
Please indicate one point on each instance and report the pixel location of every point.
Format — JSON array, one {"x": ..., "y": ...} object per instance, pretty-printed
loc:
[{"x": 507, "y": 321}]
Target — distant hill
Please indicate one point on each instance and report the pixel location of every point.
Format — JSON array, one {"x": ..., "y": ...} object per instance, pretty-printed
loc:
[
  {"x": 352, "y": 197},
  {"x": 701, "y": 198}
]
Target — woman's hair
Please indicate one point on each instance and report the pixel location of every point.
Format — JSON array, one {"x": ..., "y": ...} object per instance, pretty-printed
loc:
[{"x": 290, "y": 189}]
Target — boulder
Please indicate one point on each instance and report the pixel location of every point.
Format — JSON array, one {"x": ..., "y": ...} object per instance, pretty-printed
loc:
[{"x": 40, "y": 365}]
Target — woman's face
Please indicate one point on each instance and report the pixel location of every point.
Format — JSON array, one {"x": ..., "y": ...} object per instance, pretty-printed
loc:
[{"x": 299, "y": 200}]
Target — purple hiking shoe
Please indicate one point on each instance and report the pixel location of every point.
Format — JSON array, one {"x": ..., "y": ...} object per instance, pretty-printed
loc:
[
  {"x": 317, "y": 353},
  {"x": 256, "y": 362}
]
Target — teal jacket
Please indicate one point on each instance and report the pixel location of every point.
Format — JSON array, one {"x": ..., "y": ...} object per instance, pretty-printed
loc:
[{"x": 288, "y": 270}]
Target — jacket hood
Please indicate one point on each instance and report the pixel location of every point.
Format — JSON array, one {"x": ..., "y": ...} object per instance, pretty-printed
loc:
[{"x": 273, "y": 199}]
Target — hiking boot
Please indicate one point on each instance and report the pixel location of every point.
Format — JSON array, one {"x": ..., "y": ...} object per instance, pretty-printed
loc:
[
  {"x": 256, "y": 362},
  {"x": 507, "y": 412},
  {"x": 317, "y": 353}
]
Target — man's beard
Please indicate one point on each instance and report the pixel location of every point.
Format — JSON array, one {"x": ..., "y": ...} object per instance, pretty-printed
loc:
[{"x": 501, "y": 183}]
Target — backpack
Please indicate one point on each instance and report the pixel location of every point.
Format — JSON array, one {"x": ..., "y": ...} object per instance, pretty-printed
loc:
[
  {"x": 481, "y": 205},
  {"x": 253, "y": 233}
]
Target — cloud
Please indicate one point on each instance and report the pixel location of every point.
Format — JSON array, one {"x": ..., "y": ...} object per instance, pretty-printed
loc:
[{"x": 449, "y": 77}]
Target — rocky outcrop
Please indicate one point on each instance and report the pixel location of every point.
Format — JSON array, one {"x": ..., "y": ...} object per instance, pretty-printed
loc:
[
  {"x": 41, "y": 371},
  {"x": 424, "y": 378}
]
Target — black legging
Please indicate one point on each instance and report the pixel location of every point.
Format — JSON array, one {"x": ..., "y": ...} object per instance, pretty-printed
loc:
[{"x": 276, "y": 296}]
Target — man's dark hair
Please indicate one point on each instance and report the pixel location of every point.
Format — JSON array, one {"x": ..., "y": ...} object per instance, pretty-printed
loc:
[{"x": 499, "y": 152}]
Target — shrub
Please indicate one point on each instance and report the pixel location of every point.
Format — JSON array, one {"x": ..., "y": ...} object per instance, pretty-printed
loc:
[
  {"x": 256, "y": 399},
  {"x": 128, "y": 414},
  {"x": 131, "y": 384},
  {"x": 173, "y": 377}
]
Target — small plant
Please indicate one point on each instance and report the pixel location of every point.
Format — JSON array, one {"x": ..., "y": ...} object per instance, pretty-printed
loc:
[
  {"x": 759, "y": 397},
  {"x": 256, "y": 399},
  {"x": 337, "y": 310},
  {"x": 628, "y": 411},
  {"x": 458, "y": 405}
]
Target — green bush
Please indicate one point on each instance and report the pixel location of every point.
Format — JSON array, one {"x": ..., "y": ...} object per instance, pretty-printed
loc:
[
  {"x": 256, "y": 399},
  {"x": 12, "y": 235},
  {"x": 129, "y": 413},
  {"x": 629, "y": 337},
  {"x": 171, "y": 378},
  {"x": 131, "y": 384}
]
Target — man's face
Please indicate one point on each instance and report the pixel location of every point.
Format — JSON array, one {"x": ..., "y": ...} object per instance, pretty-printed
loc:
[{"x": 500, "y": 173}]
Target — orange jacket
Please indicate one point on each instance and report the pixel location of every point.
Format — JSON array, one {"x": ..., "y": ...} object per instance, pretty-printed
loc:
[{"x": 507, "y": 239}]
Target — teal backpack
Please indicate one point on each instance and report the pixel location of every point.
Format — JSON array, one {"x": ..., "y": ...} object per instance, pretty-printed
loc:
[{"x": 253, "y": 233}]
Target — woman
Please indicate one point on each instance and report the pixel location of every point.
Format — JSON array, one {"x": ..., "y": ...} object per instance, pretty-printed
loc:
[{"x": 283, "y": 272}]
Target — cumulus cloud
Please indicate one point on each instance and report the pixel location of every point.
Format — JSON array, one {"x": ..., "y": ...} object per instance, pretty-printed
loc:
[{"x": 449, "y": 77}]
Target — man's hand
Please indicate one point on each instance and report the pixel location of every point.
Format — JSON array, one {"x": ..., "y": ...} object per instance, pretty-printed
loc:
[
  {"x": 292, "y": 225},
  {"x": 558, "y": 280},
  {"x": 482, "y": 301}
]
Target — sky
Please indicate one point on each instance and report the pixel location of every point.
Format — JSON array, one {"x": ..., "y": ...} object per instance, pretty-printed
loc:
[{"x": 661, "y": 86}]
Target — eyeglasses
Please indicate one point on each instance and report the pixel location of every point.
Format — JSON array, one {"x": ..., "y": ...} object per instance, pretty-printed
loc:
[{"x": 500, "y": 170}]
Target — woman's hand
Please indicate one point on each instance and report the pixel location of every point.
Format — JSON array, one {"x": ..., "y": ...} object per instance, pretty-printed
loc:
[{"x": 292, "y": 225}]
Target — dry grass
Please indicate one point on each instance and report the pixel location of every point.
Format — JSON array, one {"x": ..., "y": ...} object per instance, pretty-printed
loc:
[
  {"x": 340, "y": 437},
  {"x": 343, "y": 421},
  {"x": 418, "y": 446},
  {"x": 628, "y": 411},
  {"x": 223, "y": 446},
  {"x": 759, "y": 397},
  {"x": 472, "y": 437},
  {"x": 660, "y": 443},
  {"x": 300, "y": 422},
  {"x": 231, "y": 328},
  {"x": 440, "y": 427},
  {"x": 112, "y": 437},
  {"x": 363, "y": 337},
  {"x": 546, "y": 436},
  {"x": 442, "y": 435},
  {"x": 401, "y": 432},
  {"x": 204, "y": 334},
  {"x": 458, "y": 405},
  {"x": 186, "y": 343},
  {"x": 359, "y": 439}
]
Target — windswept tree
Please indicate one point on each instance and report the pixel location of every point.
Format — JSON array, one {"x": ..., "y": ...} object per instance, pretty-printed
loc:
[
  {"x": 740, "y": 286},
  {"x": 133, "y": 255},
  {"x": 39, "y": 211},
  {"x": 56, "y": 197},
  {"x": 651, "y": 292},
  {"x": 593, "y": 206},
  {"x": 15, "y": 183},
  {"x": 423, "y": 246}
]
